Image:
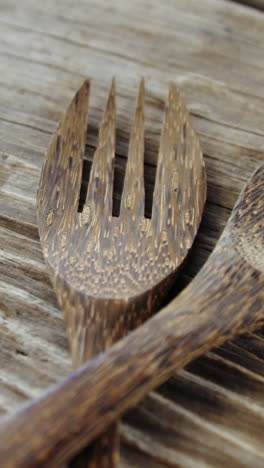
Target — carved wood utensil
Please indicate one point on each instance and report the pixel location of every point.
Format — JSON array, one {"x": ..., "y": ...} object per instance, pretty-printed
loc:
[
  {"x": 225, "y": 298},
  {"x": 110, "y": 273}
]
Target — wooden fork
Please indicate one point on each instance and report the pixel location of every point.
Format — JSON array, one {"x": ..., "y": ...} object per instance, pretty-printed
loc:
[{"x": 110, "y": 273}]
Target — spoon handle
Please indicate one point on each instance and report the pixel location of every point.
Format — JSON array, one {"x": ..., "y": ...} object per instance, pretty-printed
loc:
[{"x": 226, "y": 297}]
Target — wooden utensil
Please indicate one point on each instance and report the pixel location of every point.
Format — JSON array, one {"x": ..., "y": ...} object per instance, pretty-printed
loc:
[
  {"x": 225, "y": 298},
  {"x": 110, "y": 273}
]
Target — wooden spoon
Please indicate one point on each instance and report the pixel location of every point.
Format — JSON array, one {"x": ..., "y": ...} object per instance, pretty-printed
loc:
[
  {"x": 110, "y": 273},
  {"x": 225, "y": 298}
]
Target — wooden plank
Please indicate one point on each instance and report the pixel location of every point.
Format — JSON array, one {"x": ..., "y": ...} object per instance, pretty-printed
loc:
[{"x": 210, "y": 414}]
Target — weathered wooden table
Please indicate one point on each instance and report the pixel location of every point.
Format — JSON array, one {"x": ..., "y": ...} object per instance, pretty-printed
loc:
[{"x": 212, "y": 412}]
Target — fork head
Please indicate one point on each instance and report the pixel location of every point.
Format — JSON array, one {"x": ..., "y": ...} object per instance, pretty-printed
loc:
[{"x": 127, "y": 262}]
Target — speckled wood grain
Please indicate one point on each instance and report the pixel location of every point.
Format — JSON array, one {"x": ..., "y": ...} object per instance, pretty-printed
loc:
[{"x": 111, "y": 272}]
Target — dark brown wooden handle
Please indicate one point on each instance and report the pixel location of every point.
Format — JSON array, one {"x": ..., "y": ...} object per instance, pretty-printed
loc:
[
  {"x": 104, "y": 451},
  {"x": 101, "y": 453},
  {"x": 226, "y": 297}
]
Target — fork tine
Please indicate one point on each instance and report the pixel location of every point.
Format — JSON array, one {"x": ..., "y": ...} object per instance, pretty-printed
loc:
[
  {"x": 175, "y": 202},
  {"x": 100, "y": 188},
  {"x": 133, "y": 197},
  {"x": 169, "y": 159},
  {"x": 63, "y": 164}
]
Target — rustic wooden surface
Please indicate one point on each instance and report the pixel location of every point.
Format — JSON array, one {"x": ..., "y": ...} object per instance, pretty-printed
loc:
[{"x": 211, "y": 413}]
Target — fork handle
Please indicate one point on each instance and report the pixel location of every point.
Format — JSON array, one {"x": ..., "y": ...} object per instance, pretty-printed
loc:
[
  {"x": 225, "y": 298},
  {"x": 101, "y": 453}
]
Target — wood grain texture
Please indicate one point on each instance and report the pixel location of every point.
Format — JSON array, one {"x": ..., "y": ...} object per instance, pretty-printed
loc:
[
  {"x": 225, "y": 298},
  {"x": 111, "y": 272},
  {"x": 213, "y": 51}
]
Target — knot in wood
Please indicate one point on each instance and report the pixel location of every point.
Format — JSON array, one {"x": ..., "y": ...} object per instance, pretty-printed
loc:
[
  {"x": 174, "y": 180},
  {"x": 50, "y": 217},
  {"x": 87, "y": 215},
  {"x": 129, "y": 201}
]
